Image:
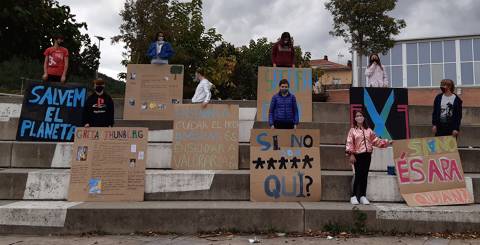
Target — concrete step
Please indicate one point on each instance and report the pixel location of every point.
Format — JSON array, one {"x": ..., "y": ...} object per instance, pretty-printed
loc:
[
  {"x": 174, "y": 185},
  {"x": 322, "y": 111},
  {"x": 58, "y": 217},
  {"x": 59, "y": 155}
]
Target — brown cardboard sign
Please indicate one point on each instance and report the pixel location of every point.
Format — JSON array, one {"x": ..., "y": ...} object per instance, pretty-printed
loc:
[
  {"x": 152, "y": 91},
  {"x": 205, "y": 138},
  {"x": 300, "y": 80},
  {"x": 285, "y": 165},
  {"x": 108, "y": 164},
  {"x": 429, "y": 172}
]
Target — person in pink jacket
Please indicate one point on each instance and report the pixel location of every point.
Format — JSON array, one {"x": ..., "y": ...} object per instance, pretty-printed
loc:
[
  {"x": 360, "y": 142},
  {"x": 376, "y": 75}
]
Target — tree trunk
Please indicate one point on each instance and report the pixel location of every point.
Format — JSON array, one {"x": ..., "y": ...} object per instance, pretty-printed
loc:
[{"x": 360, "y": 73}]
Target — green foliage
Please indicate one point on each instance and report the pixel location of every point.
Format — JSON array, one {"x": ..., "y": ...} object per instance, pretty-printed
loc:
[
  {"x": 365, "y": 24},
  {"x": 26, "y": 31}
]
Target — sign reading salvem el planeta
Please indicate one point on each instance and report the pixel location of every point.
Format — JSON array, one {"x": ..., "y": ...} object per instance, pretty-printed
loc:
[{"x": 51, "y": 112}]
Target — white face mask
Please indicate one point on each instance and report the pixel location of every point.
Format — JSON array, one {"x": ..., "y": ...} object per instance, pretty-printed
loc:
[{"x": 359, "y": 120}]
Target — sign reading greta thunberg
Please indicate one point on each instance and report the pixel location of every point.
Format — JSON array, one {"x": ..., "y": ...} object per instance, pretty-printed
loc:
[
  {"x": 108, "y": 164},
  {"x": 205, "y": 138},
  {"x": 285, "y": 165},
  {"x": 152, "y": 91},
  {"x": 51, "y": 112},
  {"x": 300, "y": 80},
  {"x": 429, "y": 172}
]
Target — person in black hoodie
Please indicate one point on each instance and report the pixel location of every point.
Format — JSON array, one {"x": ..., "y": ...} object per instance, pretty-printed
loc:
[
  {"x": 99, "y": 109},
  {"x": 447, "y": 111}
]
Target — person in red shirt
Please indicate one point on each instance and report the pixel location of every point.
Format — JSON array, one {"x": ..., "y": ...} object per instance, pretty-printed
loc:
[
  {"x": 55, "y": 65},
  {"x": 283, "y": 52}
]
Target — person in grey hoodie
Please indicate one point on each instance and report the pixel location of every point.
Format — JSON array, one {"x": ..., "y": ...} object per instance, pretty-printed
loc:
[{"x": 202, "y": 93}]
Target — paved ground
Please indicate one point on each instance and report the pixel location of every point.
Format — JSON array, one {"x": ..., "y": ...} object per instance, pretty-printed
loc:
[{"x": 223, "y": 239}]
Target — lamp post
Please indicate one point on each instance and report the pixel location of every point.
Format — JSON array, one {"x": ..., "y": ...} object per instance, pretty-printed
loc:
[{"x": 100, "y": 39}]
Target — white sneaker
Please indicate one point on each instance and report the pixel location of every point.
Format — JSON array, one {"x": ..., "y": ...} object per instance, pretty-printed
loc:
[
  {"x": 354, "y": 200},
  {"x": 364, "y": 201}
]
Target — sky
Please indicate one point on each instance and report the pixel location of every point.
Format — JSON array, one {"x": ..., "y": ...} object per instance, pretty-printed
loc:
[{"x": 308, "y": 21}]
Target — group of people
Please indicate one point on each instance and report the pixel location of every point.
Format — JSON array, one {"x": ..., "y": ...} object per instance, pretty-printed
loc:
[{"x": 283, "y": 111}]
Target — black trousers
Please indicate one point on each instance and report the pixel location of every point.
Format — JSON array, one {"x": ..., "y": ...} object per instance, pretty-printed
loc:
[
  {"x": 362, "y": 166},
  {"x": 53, "y": 78},
  {"x": 283, "y": 125},
  {"x": 444, "y": 129}
]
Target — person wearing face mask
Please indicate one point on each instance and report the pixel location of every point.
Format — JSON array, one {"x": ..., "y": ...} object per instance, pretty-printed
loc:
[
  {"x": 202, "y": 92},
  {"x": 447, "y": 111},
  {"x": 376, "y": 74},
  {"x": 283, "y": 112},
  {"x": 160, "y": 51},
  {"x": 360, "y": 141},
  {"x": 283, "y": 52},
  {"x": 99, "y": 108},
  {"x": 55, "y": 65}
]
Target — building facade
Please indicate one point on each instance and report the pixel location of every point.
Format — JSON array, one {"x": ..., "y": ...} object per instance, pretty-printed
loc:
[
  {"x": 423, "y": 63},
  {"x": 332, "y": 74}
]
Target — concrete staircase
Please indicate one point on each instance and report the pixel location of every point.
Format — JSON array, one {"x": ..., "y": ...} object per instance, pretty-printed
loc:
[{"x": 34, "y": 180}]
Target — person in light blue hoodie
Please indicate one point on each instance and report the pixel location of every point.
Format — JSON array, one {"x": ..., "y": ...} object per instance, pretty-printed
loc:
[{"x": 160, "y": 51}]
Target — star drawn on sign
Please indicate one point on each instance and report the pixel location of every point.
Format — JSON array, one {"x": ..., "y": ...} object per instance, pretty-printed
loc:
[
  {"x": 307, "y": 161},
  {"x": 271, "y": 163},
  {"x": 259, "y": 163}
]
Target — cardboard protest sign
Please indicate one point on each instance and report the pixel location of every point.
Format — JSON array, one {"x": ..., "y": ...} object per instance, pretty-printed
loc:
[
  {"x": 108, "y": 164},
  {"x": 285, "y": 165},
  {"x": 205, "y": 138},
  {"x": 386, "y": 109},
  {"x": 9, "y": 110},
  {"x": 300, "y": 80},
  {"x": 429, "y": 172},
  {"x": 152, "y": 90},
  {"x": 51, "y": 112}
]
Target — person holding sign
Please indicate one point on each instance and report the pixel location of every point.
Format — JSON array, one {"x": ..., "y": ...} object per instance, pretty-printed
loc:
[
  {"x": 283, "y": 113},
  {"x": 55, "y": 65},
  {"x": 160, "y": 51},
  {"x": 99, "y": 108},
  {"x": 202, "y": 93},
  {"x": 375, "y": 72},
  {"x": 447, "y": 111},
  {"x": 283, "y": 52},
  {"x": 359, "y": 147}
]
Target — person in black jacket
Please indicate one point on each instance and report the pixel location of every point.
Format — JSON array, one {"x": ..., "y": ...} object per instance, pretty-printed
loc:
[
  {"x": 447, "y": 111},
  {"x": 99, "y": 108}
]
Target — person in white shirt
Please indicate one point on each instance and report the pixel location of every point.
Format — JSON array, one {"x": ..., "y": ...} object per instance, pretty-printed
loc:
[
  {"x": 375, "y": 72},
  {"x": 202, "y": 93}
]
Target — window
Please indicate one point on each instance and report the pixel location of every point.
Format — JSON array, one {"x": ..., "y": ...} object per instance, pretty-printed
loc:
[
  {"x": 412, "y": 75},
  {"x": 412, "y": 53},
  {"x": 424, "y": 75},
  {"x": 397, "y": 54},
  {"x": 397, "y": 77},
  {"x": 467, "y": 73},
  {"x": 476, "y": 49},
  {"x": 477, "y": 73},
  {"x": 437, "y": 52},
  {"x": 424, "y": 53},
  {"x": 450, "y": 71},
  {"x": 437, "y": 74},
  {"x": 466, "y": 53},
  {"x": 449, "y": 51},
  {"x": 385, "y": 59}
]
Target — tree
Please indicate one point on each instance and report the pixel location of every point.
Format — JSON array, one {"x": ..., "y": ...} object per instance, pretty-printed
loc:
[
  {"x": 26, "y": 30},
  {"x": 365, "y": 25}
]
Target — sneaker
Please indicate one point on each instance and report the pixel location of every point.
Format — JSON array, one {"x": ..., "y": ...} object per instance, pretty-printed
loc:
[
  {"x": 354, "y": 200},
  {"x": 364, "y": 201}
]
